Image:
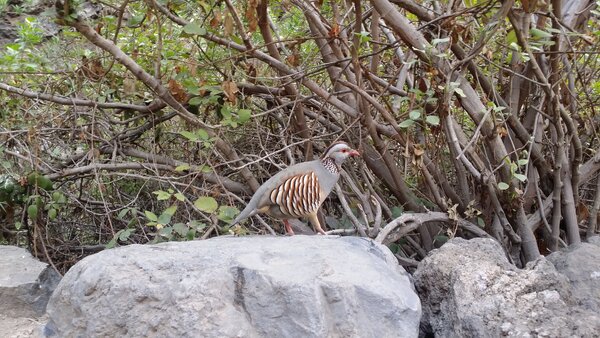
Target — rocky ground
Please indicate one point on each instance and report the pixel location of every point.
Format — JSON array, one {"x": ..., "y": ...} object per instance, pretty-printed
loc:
[
  {"x": 21, "y": 327},
  {"x": 25, "y": 287},
  {"x": 308, "y": 284}
]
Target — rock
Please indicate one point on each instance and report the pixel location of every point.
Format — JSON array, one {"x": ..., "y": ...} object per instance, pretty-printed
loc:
[
  {"x": 595, "y": 240},
  {"x": 469, "y": 289},
  {"x": 8, "y": 31},
  {"x": 25, "y": 283},
  {"x": 581, "y": 265},
  {"x": 299, "y": 286},
  {"x": 21, "y": 327}
]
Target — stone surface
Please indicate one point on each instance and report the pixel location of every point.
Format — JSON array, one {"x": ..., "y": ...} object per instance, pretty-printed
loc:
[
  {"x": 21, "y": 327},
  {"x": 581, "y": 265},
  {"x": 300, "y": 286},
  {"x": 469, "y": 289},
  {"x": 595, "y": 240},
  {"x": 25, "y": 283}
]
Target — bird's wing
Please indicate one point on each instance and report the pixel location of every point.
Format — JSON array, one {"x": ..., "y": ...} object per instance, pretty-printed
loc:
[{"x": 296, "y": 195}]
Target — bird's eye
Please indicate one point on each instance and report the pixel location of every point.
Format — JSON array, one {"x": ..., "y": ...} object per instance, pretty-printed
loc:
[{"x": 344, "y": 150}]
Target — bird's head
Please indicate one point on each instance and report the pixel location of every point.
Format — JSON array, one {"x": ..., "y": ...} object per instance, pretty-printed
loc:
[{"x": 339, "y": 152}]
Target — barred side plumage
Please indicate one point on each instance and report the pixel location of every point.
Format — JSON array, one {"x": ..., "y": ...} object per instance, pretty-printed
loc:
[{"x": 298, "y": 195}]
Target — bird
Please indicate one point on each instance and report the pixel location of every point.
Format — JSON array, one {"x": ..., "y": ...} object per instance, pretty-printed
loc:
[{"x": 299, "y": 190}]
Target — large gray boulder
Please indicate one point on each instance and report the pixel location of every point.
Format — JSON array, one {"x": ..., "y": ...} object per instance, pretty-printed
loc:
[
  {"x": 469, "y": 289},
  {"x": 25, "y": 283},
  {"x": 581, "y": 265},
  {"x": 299, "y": 286}
]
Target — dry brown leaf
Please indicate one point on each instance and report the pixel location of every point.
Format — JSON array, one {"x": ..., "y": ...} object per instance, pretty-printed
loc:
[
  {"x": 216, "y": 19},
  {"x": 230, "y": 89},
  {"x": 252, "y": 72},
  {"x": 583, "y": 211},
  {"x": 418, "y": 150},
  {"x": 334, "y": 32},
  {"x": 228, "y": 30},
  {"x": 453, "y": 212},
  {"x": 502, "y": 132},
  {"x": 92, "y": 69},
  {"x": 201, "y": 84},
  {"x": 177, "y": 91},
  {"x": 129, "y": 86},
  {"x": 251, "y": 15},
  {"x": 293, "y": 60}
]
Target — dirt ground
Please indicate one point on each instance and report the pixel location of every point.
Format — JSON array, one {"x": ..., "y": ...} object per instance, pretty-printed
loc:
[{"x": 21, "y": 327}]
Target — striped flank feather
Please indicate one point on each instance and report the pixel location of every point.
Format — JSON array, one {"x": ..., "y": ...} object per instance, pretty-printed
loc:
[{"x": 298, "y": 195}]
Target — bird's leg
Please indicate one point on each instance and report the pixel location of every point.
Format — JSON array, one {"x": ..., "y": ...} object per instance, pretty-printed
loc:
[
  {"x": 316, "y": 224},
  {"x": 288, "y": 227}
]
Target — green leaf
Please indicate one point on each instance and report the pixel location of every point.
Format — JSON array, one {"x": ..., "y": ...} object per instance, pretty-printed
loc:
[
  {"x": 58, "y": 197},
  {"x": 244, "y": 115},
  {"x": 202, "y": 134},
  {"x": 194, "y": 29},
  {"x": 189, "y": 135},
  {"x": 162, "y": 195},
  {"x": 179, "y": 196},
  {"x": 166, "y": 231},
  {"x": 511, "y": 37},
  {"x": 196, "y": 224},
  {"x": 182, "y": 167},
  {"x": 122, "y": 213},
  {"x": 523, "y": 161},
  {"x": 414, "y": 115},
  {"x": 227, "y": 213},
  {"x": 538, "y": 33},
  {"x": 196, "y": 101},
  {"x": 32, "y": 211},
  {"x": 40, "y": 181},
  {"x": 441, "y": 239},
  {"x": 206, "y": 204},
  {"x": 397, "y": 212},
  {"x": 135, "y": 20},
  {"x": 502, "y": 186},
  {"x": 406, "y": 123},
  {"x": 18, "y": 225},
  {"x": 520, "y": 177},
  {"x": 480, "y": 222},
  {"x": 394, "y": 248},
  {"x": 124, "y": 234},
  {"x": 52, "y": 213},
  {"x": 181, "y": 229},
  {"x": 433, "y": 120},
  {"x": 364, "y": 36},
  {"x": 164, "y": 218},
  {"x": 151, "y": 216},
  {"x": 112, "y": 243},
  {"x": 170, "y": 210}
]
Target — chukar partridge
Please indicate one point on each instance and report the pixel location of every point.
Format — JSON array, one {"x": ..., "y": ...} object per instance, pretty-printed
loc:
[{"x": 299, "y": 190}]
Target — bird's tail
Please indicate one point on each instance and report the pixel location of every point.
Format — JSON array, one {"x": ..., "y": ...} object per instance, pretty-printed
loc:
[{"x": 247, "y": 212}]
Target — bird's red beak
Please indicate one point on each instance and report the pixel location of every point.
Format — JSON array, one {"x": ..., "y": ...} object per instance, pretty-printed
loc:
[{"x": 354, "y": 153}]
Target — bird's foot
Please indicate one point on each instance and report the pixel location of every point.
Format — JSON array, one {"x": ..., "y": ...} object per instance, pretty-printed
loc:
[{"x": 288, "y": 228}]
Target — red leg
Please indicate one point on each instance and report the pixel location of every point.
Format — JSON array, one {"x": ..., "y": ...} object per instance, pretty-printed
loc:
[{"x": 288, "y": 227}]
